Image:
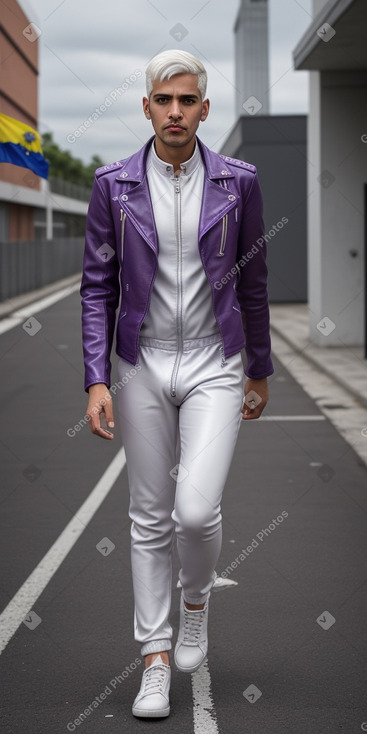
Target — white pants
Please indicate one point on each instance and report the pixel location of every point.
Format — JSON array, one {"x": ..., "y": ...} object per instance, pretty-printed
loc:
[{"x": 178, "y": 454}]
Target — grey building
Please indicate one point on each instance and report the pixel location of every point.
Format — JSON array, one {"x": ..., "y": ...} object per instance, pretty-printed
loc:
[
  {"x": 276, "y": 145},
  {"x": 334, "y": 50}
]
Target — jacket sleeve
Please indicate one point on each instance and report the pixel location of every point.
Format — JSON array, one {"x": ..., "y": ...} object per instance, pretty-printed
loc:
[
  {"x": 99, "y": 289},
  {"x": 252, "y": 293}
]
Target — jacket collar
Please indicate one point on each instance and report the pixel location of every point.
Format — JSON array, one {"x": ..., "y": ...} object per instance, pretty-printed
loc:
[
  {"x": 167, "y": 169},
  {"x": 134, "y": 168}
]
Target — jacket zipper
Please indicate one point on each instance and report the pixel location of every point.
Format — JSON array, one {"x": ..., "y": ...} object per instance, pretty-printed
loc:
[
  {"x": 123, "y": 218},
  {"x": 179, "y": 286},
  {"x": 224, "y": 226},
  {"x": 224, "y": 234}
]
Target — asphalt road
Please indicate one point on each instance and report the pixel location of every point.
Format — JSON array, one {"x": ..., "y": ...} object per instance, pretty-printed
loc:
[{"x": 291, "y": 635}]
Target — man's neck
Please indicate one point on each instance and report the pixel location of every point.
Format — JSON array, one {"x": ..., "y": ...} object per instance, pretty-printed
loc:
[{"x": 172, "y": 155}]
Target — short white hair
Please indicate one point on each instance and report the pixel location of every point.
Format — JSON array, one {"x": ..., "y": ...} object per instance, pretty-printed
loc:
[{"x": 174, "y": 61}]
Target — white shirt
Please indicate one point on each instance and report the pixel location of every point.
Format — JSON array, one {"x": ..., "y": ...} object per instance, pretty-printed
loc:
[{"x": 181, "y": 298}]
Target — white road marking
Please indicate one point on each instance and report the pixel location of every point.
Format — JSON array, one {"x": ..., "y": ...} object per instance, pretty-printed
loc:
[
  {"x": 205, "y": 719},
  {"x": 25, "y": 598},
  {"x": 292, "y": 418},
  {"x": 22, "y": 314}
]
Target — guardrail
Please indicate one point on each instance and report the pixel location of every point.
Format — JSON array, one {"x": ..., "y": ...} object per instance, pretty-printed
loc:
[{"x": 26, "y": 266}]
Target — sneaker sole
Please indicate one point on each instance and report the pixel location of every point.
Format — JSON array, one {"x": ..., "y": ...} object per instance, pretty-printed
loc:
[
  {"x": 193, "y": 669},
  {"x": 153, "y": 714}
]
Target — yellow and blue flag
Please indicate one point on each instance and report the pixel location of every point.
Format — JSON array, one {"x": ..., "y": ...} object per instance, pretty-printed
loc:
[{"x": 21, "y": 145}]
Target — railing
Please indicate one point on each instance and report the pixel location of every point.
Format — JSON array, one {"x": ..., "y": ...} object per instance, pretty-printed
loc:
[
  {"x": 26, "y": 266},
  {"x": 67, "y": 188}
]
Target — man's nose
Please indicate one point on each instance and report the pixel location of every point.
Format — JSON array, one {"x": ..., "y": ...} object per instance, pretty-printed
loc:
[{"x": 175, "y": 110}]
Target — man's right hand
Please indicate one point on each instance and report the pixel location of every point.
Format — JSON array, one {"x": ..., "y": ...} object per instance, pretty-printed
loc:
[{"x": 100, "y": 401}]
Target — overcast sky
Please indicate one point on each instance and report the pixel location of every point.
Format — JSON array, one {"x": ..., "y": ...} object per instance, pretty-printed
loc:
[{"x": 89, "y": 47}]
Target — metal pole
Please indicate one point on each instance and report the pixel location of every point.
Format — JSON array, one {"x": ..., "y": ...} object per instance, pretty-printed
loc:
[{"x": 49, "y": 222}]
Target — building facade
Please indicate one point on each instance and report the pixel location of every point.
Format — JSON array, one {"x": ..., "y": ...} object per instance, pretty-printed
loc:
[
  {"x": 27, "y": 211},
  {"x": 334, "y": 50},
  {"x": 276, "y": 145}
]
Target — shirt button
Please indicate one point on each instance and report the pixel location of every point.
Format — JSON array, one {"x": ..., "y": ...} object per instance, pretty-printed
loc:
[
  {"x": 124, "y": 174},
  {"x": 231, "y": 197},
  {"x": 168, "y": 168},
  {"x": 124, "y": 197},
  {"x": 225, "y": 173}
]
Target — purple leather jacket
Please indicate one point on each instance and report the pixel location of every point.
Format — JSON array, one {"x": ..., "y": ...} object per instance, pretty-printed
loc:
[{"x": 121, "y": 261}]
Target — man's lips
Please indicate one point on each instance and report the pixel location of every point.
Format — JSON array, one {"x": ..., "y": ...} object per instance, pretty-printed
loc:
[{"x": 174, "y": 127}]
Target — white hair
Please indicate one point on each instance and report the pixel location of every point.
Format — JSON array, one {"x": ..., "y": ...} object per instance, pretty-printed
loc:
[{"x": 174, "y": 61}]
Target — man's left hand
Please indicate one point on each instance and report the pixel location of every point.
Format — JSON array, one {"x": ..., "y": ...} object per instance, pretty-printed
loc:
[{"x": 256, "y": 397}]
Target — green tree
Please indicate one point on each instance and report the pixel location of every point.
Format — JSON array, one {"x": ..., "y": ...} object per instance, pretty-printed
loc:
[{"x": 65, "y": 166}]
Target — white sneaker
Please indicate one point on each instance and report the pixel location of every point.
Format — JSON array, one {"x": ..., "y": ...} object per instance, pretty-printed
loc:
[
  {"x": 153, "y": 697},
  {"x": 192, "y": 642}
]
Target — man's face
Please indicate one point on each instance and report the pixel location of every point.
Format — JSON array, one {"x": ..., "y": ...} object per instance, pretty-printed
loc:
[{"x": 176, "y": 109}]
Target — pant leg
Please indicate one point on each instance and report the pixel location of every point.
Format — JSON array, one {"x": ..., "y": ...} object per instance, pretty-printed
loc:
[
  {"x": 209, "y": 422},
  {"x": 149, "y": 428}
]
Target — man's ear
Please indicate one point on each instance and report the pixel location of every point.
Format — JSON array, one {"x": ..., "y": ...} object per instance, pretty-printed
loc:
[
  {"x": 205, "y": 110},
  {"x": 146, "y": 107}
]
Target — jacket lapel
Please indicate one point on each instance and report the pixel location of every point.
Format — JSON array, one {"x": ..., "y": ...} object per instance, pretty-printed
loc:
[
  {"x": 218, "y": 200},
  {"x": 138, "y": 207},
  {"x": 136, "y": 203}
]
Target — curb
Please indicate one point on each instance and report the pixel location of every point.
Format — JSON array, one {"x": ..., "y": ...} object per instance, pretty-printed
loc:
[
  {"x": 361, "y": 400},
  {"x": 24, "y": 299}
]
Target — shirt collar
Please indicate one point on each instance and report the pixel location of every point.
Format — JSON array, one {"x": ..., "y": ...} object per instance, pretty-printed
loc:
[{"x": 167, "y": 169}]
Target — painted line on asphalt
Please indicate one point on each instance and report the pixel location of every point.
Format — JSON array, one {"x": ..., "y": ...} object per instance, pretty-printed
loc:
[
  {"x": 292, "y": 418},
  {"x": 22, "y": 314},
  {"x": 25, "y": 598},
  {"x": 205, "y": 718}
]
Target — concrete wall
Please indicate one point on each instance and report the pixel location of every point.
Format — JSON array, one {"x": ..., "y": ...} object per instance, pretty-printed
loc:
[
  {"x": 276, "y": 145},
  {"x": 337, "y": 174},
  {"x": 42, "y": 208}
]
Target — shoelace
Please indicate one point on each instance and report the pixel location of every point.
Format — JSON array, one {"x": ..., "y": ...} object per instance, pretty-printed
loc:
[
  {"x": 192, "y": 627},
  {"x": 154, "y": 679}
]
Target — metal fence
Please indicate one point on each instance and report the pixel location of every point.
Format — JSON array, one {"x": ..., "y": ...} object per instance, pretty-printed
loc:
[
  {"x": 26, "y": 266},
  {"x": 67, "y": 188}
]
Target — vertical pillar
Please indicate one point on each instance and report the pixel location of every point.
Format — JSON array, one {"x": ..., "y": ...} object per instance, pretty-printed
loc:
[
  {"x": 252, "y": 57},
  {"x": 49, "y": 220},
  {"x": 314, "y": 194}
]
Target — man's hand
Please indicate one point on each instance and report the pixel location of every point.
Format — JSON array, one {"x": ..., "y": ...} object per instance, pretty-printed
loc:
[
  {"x": 100, "y": 401},
  {"x": 256, "y": 397}
]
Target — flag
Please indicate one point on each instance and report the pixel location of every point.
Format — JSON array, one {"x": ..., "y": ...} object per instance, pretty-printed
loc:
[{"x": 21, "y": 145}]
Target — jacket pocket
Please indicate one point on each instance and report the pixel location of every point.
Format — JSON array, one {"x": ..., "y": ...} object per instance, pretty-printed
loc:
[{"x": 223, "y": 238}]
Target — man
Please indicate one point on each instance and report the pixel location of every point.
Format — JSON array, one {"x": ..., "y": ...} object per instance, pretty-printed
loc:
[{"x": 174, "y": 240}]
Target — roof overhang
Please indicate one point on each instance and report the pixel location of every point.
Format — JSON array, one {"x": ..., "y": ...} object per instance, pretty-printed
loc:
[{"x": 347, "y": 49}]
